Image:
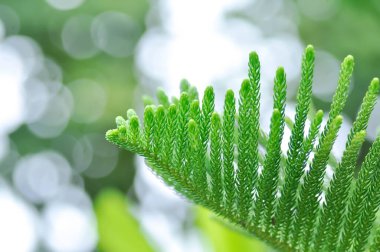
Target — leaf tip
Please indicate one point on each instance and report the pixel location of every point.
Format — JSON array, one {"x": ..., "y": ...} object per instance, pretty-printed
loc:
[
  {"x": 215, "y": 118},
  {"x": 280, "y": 71},
  {"x": 111, "y": 134},
  {"x": 209, "y": 91},
  {"x": 349, "y": 60},
  {"x": 192, "y": 126},
  {"x": 375, "y": 84},
  {"x": 339, "y": 119},
  {"x": 131, "y": 113},
  {"x": 319, "y": 113},
  {"x": 309, "y": 52},
  {"x": 253, "y": 57},
  {"x": 147, "y": 100},
  {"x": 184, "y": 85}
]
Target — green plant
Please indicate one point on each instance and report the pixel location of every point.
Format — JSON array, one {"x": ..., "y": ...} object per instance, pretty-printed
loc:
[
  {"x": 118, "y": 229},
  {"x": 216, "y": 161}
]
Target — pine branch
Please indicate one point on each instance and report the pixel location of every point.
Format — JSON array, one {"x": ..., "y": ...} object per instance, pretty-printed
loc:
[
  {"x": 249, "y": 110},
  {"x": 215, "y": 160},
  {"x": 366, "y": 109},
  {"x": 268, "y": 181},
  {"x": 228, "y": 146},
  {"x": 365, "y": 190},
  {"x": 308, "y": 203},
  {"x": 208, "y": 104},
  {"x": 292, "y": 171},
  {"x": 246, "y": 171},
  {"x": 267, "y": 185},
  {"x": 330, "y": 220}
]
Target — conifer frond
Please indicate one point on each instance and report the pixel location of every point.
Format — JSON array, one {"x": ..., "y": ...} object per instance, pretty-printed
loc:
[
  {"x": 293, "y": 172},
  {"x": 330, "y": 220},
  {"x": 376, "y": 241},
  {"x": 364, "y": 203},
  {"x": 213, "y": 159},
  {"x": 228, "y": 148}
]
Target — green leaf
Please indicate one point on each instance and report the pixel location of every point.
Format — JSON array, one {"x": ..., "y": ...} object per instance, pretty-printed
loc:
[
  {"x": 118, "y": 229},
  {"x": 222, "y": 238}
]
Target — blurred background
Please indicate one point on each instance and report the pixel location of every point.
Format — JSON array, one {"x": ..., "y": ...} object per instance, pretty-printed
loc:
[{"x": 69, "y": 67}]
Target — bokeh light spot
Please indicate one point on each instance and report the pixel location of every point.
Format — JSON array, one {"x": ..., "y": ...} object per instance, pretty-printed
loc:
[
  {"x": 65, "y": 4},
  {"x": 68, "y": 228},
  {"x": 89, "y": 100},
  {"x": 9, "y": 19},
  {"x": 55, "y": 117},
  {"x": 39, "y": 177},
  {"x": 319, "y": 10},
  {"x": 11, "y": 89},
  {"x": 326, "y": 74},
  {"x": 115, "y": 33},
  {"x": 82, "y": 154},
  {"x": 76, "y": 37},
  {"x": 18, "y": 229},
  {"x": 104, "y": 159}
]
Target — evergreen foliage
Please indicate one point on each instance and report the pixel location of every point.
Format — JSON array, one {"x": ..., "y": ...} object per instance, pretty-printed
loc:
[{"x": 214, "y": 159}]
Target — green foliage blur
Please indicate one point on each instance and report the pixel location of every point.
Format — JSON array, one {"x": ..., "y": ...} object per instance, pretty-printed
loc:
[
  {"x": 118, "y": 230},
  {"x": 223, "y": 238},
  {"x": 116, "y": 75},
  {"x": 355, "y": 30}
]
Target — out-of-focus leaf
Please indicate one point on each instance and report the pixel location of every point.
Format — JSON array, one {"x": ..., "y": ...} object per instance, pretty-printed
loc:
[
  {"x": 224, "y": 239},
  {"x": 118, "y": 229}
]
